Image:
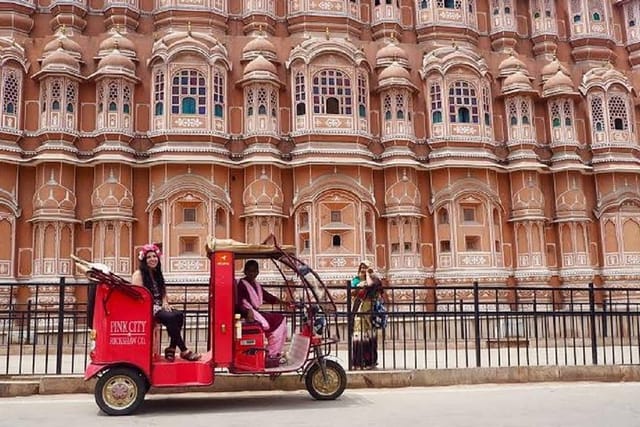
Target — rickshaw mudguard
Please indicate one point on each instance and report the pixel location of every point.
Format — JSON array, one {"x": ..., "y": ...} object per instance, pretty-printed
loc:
[
  {"x": 315, "y": 361},
  {"x": 92, "y": 370}
]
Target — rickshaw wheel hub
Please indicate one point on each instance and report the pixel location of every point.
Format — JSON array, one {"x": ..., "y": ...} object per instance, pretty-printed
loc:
[
  {"x": 326, "y": 384},
  {"x": 120, "y": 392}
]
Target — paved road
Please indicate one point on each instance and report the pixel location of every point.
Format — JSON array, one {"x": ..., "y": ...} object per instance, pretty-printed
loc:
[{"x": 544, "y": 405}]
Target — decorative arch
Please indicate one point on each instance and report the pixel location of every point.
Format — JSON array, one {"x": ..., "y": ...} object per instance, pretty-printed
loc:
[
  {"x": 10, "y": 202},
  {"x": 462, "y": 188},
  {"x": 444, "y": 59},
  {"x": 189, "y": 183},
  {"x": 175, "y": 44},
  {"x": 311, "y": 49},
  {"x": 613, "y": 201},
  {"x": 341, "y": 182}
]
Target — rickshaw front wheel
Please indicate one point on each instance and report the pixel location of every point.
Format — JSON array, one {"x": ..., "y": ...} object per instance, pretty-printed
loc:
[
  {"x": 329, "y": 386},
  {"x": 120, "y": 391}
]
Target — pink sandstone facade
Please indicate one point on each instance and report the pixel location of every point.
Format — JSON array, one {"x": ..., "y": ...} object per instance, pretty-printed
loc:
[{"x": 446, "y": 140}]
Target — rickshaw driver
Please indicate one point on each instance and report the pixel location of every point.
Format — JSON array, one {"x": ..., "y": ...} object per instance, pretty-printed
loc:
[{"x": 250, "y": 296}]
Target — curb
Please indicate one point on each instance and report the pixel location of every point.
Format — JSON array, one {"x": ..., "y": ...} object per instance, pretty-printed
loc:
[{"x": 26, "y": 386}]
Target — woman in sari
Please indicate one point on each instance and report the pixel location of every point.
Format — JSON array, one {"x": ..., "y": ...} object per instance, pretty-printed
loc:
[{"x": 368, "y": 289}]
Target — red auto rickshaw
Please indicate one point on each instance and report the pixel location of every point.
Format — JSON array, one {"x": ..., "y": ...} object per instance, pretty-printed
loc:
[{"x": 125, "y": 354}]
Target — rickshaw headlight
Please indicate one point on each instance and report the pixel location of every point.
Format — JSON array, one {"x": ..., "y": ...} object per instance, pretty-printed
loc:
[{"x": 92, "y": 339}]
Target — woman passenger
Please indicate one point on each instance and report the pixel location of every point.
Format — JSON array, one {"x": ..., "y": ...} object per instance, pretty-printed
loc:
[{"x": 149, "y": 275}]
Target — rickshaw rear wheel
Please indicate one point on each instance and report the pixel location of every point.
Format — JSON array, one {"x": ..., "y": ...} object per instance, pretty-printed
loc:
[
  {"x": 329, "y": 387},
  {"x": 120, "y": 391}
]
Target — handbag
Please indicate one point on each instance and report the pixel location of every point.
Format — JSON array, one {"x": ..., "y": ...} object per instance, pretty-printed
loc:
[{"x": 379, "y": 316}]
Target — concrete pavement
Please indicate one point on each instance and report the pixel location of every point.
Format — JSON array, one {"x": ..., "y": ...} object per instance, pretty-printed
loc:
[{"x": 58, "y": 384}]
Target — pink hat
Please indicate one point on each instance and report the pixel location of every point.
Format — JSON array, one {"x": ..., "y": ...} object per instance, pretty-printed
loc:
[{"x": 149, "y": 247}]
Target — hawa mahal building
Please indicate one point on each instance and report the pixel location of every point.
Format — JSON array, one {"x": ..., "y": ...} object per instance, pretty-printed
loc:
[{"x": 445, "y": 140}]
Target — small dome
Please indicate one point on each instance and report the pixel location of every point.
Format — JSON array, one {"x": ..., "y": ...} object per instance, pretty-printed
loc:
[
  {"x": 64, "y": 42},
  {"x": 60, "y": 58},
  {"x": 559, "y": 83},
  {"x": 54, "y": 196},
  {"x": 517, "y": 82},
  {"x": 117, "y": 41},
  {"x": 394, "y": 71},
  {"x": 116, "y": 60},
  {"x": 111, "y": 196},
  {"x": 263, "y": 195},
  {"x": 511, "y": 64},
  {"x": 552, "y": 68},
  {"x": 260, "y": 63},
  {"x": 259, "y": 46},
  {"x": 391, "y": 53}
]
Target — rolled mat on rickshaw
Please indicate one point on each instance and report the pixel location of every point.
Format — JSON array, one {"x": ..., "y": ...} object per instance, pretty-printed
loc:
[{"x": 214, "y": 244}]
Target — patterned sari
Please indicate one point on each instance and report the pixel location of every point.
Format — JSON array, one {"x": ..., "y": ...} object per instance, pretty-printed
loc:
[{"x": 249, "y": 297}]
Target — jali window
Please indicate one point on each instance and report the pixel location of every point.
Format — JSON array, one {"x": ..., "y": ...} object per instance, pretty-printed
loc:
[
  {"x": 463, "y": 103},
  {"x": 188, "y": 93},
  {"x": 332, "y": 93}
]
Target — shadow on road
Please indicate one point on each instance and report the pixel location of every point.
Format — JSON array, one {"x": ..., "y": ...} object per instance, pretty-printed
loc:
[{"x": 227, "y": 403}]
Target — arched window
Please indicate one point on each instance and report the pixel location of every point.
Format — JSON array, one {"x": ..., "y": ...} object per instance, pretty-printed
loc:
[
  {"x": 597, "y": 113},
  {"x": 443, "y": 216},
  {"x": 218, "y": 94},
  {"x": 126, "y": 99},
  {"x": 188, "y": 93},
  {"x": 463, "y": 104},
  {"x": 486, "y": 106},
  {"x": 451, "y": 4},
  {"x": 300, "y": 95},
  {"x": 335, "y": 85},
  {"x": 618, "y": 113},
  {"x": 386, "y": 107},
  {"x": 262, "y": 102},
  {"x": 436, "y": 102},
  {"x": 362, "y": 96},
  {"x": 10, "y": 92},
  {"x": 158, "y": 89}
]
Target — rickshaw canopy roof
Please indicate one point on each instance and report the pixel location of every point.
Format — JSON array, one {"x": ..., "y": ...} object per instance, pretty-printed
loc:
[{"x": 247, "y": 250}]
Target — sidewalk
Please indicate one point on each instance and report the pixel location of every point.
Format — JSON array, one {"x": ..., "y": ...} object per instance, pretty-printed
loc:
[{"x": 60, "y": 384}]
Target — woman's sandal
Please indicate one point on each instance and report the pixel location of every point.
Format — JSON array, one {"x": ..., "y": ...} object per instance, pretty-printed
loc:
[
  {"x": 170, "y": 354},
  {"x": 190, "y": 355}
]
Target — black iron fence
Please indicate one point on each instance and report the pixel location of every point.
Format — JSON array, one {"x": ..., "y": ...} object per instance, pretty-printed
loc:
[{"x": 44, "y": 328}]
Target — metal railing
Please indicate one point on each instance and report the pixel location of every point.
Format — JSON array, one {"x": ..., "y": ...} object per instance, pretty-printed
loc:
[{"x": 44, "y": 329}]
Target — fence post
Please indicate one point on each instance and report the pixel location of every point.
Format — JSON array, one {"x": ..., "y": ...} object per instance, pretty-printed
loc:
[
  {"x": 592, "y": 315},
  {"x": 476, "y": 320},
  {"x": 60, "y": 326}
]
